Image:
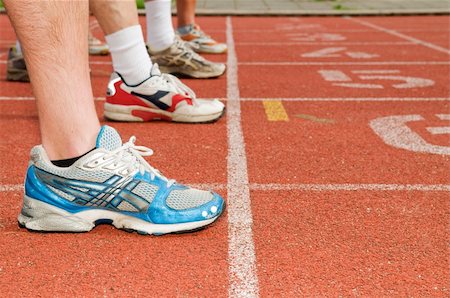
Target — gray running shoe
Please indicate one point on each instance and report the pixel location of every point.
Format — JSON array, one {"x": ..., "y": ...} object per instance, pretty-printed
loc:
[
  {"x": 16, "y": 70},
  {"x": 180, "y": 58}
]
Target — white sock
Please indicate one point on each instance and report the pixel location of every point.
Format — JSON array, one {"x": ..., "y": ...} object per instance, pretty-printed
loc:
[
  {"x": 129, "y": 55},
  {"x": 160, "y": 32},
  {"x": 18, "y": 47}
]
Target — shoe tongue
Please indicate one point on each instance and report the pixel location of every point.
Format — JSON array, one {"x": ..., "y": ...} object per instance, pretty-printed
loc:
[
  {"x": 155, "y": 70},
  {"x": 108, "y": 138}
]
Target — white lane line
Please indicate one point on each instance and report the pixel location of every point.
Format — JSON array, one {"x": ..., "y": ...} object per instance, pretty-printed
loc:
[
  {"x": 208, "y": 186},
  {"x": 241, "y": 248},
  {"x": 297, "y": 63},
  {"x": 343, "y": 99},
  {"x": 11, "y": 187},
  {"x": 321, "y": 43},
  {"x": 300, "y": 186},
  {"x": 315, "y": 29},
  {"x": 351, "y": 187},
  {"x": 301, "y": 99},
  {"x": 400, "y": 35}
]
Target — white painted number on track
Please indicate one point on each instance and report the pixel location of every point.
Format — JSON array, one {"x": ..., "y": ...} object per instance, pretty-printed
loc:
[
  {"x": 339, "y": 78},
  {"x": 299, "y": 27},
  {"x": 394, "y": 131},
  {"x": 316, "y": 37},
  {"x": 338, "y": 52}
]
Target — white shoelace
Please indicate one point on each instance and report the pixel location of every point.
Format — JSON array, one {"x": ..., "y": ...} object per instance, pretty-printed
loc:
[
  {"x": 179, "y": 86},
  {"x": 132, "y": 155},
  {"x": 187, "y": 50},
  {"x": 176, "y": 85}
]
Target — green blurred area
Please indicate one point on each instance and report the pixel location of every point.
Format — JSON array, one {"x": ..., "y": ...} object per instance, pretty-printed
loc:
[{"x": 139, "y": 3}]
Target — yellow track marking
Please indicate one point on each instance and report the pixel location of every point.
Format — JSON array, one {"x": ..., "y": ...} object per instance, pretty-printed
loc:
[{"x": 275, "y": 110}]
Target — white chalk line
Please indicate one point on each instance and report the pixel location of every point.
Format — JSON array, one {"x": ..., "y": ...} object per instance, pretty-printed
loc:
[
  {"x": 345, "y": 99},
  {"x": 241, "y": 248},
  {"x": 400, "y": 35},
  {"x": 322, "y": 43},
  {"x": 317, "y": 187},
  {"x": 300, "y": 99},
  {"x": 292, "y": 28},
  {"x": 351, "y": 187},
  {"x": 318, "y": 63}
]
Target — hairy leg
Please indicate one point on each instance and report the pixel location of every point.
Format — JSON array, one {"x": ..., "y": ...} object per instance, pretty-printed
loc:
[
  {"x": 114, "y": 15},
  {"x": 53, "y": 35}
]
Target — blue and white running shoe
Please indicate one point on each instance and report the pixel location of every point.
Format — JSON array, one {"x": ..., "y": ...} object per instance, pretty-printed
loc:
[{"x": 112, "y": 184}]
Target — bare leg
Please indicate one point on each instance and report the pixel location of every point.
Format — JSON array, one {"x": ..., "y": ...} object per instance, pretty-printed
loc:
[
  {"x": 54, "y": 41},
  {"x": 120, "y": 24},
  {"x": 114, "y": 15},
  {"x": 185, "y": 12}
]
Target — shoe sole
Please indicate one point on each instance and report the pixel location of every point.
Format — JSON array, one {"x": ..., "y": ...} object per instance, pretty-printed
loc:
[
  {"x": 209, "y": 51},
  {"x": 193, "y": 74},
  {"x": 98, "y": 52},
  {"x": 125, "y": 113},
  {"x": 42, "y": 217},
  {"x": 17, "y": 75}
]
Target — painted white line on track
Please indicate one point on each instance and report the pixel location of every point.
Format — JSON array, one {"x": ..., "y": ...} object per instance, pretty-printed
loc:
[
  {"x": 208, "y": 186},
  {"x": 318, "y": 63},
  {"x": 315, "y": 29},
  {"x": 301, "y": 186},
  {"x": 297, "y": 63},
  {"x": 352, "y": 187},
  {"x": 241, "y": 248},
  {"x": 400, "y": 35},
  {"x": 359, "y": 99},
  {"x": 321, "y": 43},
  {"x": 343, "y": 99},
  {"x": 11, "y": 187}
]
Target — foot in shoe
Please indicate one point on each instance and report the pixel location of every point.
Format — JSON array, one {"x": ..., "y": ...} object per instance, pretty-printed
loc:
[
  {"x": 160, "y": 97},
  {"x": 112, "y": 184},
  {"x": 180, "y": 58}
]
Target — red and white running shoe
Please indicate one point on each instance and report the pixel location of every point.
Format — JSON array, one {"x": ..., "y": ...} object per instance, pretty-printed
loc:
[{"x": 160, "y": 97}]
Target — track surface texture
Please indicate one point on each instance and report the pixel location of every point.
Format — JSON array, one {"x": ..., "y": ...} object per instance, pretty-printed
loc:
[{"x": 333, "y": 157}]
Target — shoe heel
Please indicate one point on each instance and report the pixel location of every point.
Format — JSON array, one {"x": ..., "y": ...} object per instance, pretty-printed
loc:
[{"x": 39, "y": 216}]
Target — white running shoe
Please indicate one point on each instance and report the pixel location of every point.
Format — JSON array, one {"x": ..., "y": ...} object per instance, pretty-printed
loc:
[{"x": 160, "y": 97}]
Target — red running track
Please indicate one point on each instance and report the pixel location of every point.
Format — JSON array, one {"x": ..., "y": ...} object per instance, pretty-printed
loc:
[{"x": 348, "y": 183}]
